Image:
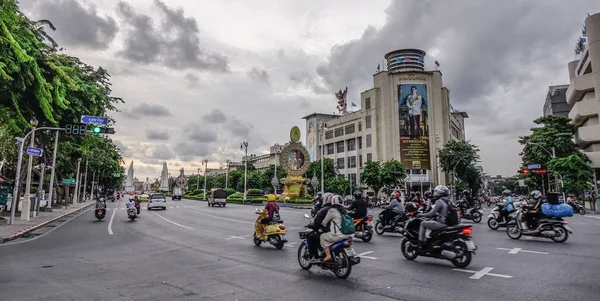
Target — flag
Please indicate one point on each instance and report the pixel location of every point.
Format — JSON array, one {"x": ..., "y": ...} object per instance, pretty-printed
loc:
[
  {"x": 354, "y": 105},
  {"x": 437, "y": 64}
]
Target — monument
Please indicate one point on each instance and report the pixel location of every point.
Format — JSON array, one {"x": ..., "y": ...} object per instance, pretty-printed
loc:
[
  {"x": 164, "y": 178},
  {"x": 342, "y": 101},
  {"x": 295, "y": 160},
  {"x": 129, "y": 183}
]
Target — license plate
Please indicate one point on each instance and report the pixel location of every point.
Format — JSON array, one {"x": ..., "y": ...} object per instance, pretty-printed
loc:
[
  {"x": 568, "y": 228},
  {"x": 283, "y": 237},
  {"x": 470, "y": 245},
  {"x": 350, "y": 252}
]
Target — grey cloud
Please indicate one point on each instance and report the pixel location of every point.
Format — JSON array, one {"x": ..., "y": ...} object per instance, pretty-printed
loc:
[
  {"x": 76, "y": 25},
  {"x": 303, "y": 104},
  {"x": 192, "y": 80},
  {"x": 260, "y": 75},
  {"x": 238, "y": 128},
  {"x": 200, "y": 134},
  {"x": 188, "y": 151},
  {"x": 173, "y": 43},
  {"x": 148, "y": 110},
  {"x": 215, "y": 116},
  {"x": 305, "y": 79},
  {"x": 162, "y": 152},
  {"x": 156, "y": 134}
]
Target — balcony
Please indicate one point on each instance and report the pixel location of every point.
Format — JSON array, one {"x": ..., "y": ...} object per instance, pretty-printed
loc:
[
  {"x": 579, "y": 85},
  {"x": 582, "y": 110},
  {"x": 595, "y": 157},
  {"x": 587, "y": 135}
]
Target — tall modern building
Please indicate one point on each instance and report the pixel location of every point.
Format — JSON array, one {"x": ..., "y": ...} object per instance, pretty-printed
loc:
[
  {"x": 585, "y": 81},
  {"x": 406, "y": 116},
  {"x": 556, "y": 101}
]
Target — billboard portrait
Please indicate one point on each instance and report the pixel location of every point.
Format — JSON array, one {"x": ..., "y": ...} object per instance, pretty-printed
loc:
[
  {"x": 414, "y": 129},
  {"x": 311, "y": 138}
]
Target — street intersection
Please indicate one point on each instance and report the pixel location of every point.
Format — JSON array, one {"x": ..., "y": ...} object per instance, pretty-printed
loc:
[{"x": 194, "y": 252}]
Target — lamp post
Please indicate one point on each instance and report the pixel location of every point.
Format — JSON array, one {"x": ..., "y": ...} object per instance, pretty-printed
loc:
[
  {"x": 244, "y": 146},
  {"x": 553, "y": 154},
  {"x": 76, "y": 193},
  {"x": 227, "y": 173},
  {"x": 52, "y": 173},
  {"x": 26, "y": 206},
  {"x": 198, "y": 179},
  {"x": 323, "y": 129},
  {"x": 204, "y": 194}
]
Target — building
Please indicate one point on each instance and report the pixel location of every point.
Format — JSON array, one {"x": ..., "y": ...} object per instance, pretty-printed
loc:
[
  {"x": 262, "y": 162},
  {"x": 584, "y": 75},
  {"x": 223, "y": 170},
  {"x": 556, "y": 101},
  {"x": 405, "y": 116}
]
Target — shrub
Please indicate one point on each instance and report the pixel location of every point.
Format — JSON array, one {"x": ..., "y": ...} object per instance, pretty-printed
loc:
[
  {"x": 236, "y": 195},
  {"x": 234, "y": 198},
  {"x": 197, "y": 191},
  {"x": 230, "y": 191},
  {"x": 255, "y": 192}
]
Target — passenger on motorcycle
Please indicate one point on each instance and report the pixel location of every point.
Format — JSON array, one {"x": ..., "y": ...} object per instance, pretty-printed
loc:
[
  {"x": 394, "y": 209},
  {"x": 319, "y": 201},
  {"x": 534, "y": 212},
  {"x": 101, "y": 203},
  {"x": 427, "y": 204},
  {"x": 359, "y": 206},
  {"x": 507, "y": 204},
  {"x": 272, "y": 209},
  {"x": 439, "y": 212},
  {"x": 333, "y": 221},
  {"x": 314, "y": 239},
  {"x": 466, "y": 202},
  {"x": 131, "y": 205}
]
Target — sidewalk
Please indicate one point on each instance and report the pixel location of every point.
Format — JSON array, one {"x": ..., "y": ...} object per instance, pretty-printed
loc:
[{"x": 20, "y": 228}]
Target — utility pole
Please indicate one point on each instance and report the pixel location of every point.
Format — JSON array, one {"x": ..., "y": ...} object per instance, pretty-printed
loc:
[
  {"x": 40, "y": 194},
  {"x": 323, "y": 129},
  {"x": 26, "y": 205},
  {"x": 76, "y": 192},
  {"x": 244, "y": 146},
  {"x": 52, "y": 173},
  {"x": 227, "y": 173},
  {"x": 93, "y": 182},
  {"x": 85, "y": 178},
  {"x": 198, "y": 179},
  {"x": 204, "y": 194}
]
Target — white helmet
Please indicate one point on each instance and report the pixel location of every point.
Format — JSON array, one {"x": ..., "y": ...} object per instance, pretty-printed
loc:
[
  {"x": 337, "y": 200},
  {"x": 440, "y": 191},
  {"x": 327, "y": 198}
]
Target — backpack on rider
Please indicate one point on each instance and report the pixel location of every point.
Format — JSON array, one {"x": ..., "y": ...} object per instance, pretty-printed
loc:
[{"x": 452, "y": 217}]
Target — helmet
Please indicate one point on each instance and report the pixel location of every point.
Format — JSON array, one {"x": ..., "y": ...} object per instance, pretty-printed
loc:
[
  {"x": 467, "y": 192},
  {"x": 536, "y": 195},
  {"x": 507, "y": 192},
  {"x": 395, "y": 195},
  {"x": 319, "y": 194},
  {"x": 337, "y": 200},
  {"x": 440, "y": 191},
  {"x": 418, "y": 193},
  {"x": 270, "y": 198},
  {"x": 327, "y": 198},
  {"x": 358, "y": 194},
  {"x": 428, "y": 194}
]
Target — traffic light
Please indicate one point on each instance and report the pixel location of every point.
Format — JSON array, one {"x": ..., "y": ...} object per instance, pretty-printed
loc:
[
  {"x": 78, "y": 129},
  {"x": 524, "y": 171},
  {"x": 540, "y": 171},
  {"x": 102, "y": 130}
]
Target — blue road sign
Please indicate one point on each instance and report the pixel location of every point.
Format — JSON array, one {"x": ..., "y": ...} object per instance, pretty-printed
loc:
[
  {"x": 533, "y": 166},
  {"x": 94, "y": 120},
  {"x": 34, "y": 151}
]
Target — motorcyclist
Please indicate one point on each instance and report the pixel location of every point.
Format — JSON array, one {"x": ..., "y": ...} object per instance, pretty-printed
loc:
[
  {"x": 333, "y": 220},
  {"x": 314, "y": 239},
  {"x": 101, "y": 203},
  {"x": 137, "y": 204},
  {"x": 465, "y": 203},
  {"x": 534, "y": 211},
  {"x": 507, "y": 204},
  {"x": 318, "y": 201},
  {"x": 272, "y": 209},
  {"x": 131, "y": 205},
  {"x": 427, "y": 204},
  {"x": 439, "y": 212},
  {"x": 394, "y": 209},
  {"x": 358, "y": 207}
]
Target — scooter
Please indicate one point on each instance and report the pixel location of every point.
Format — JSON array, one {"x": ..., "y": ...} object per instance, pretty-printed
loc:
[
  {"x": 554, "y": 228},
  {"x": 274, "y": 233},
  {"x": 496, "y": 220},
  {"x": 577, "y": 207},
  {"x": 395, "y": 226},
  {"x": 99, "y": 213},
  {"x": 363, "y": 227},
  {"x": 344, "y": 256},
  {"x": 475, "y": 214},
  {"x": 131, "y": 214}
]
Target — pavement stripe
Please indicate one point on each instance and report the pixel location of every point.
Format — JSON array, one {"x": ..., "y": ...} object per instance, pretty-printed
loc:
[
  {"x": 172, "y": 222},
  {"x": 112, "y": 217}
]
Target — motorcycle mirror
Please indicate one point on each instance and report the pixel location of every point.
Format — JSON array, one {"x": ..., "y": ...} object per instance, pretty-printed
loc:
[{"x": 306, "y": 216}]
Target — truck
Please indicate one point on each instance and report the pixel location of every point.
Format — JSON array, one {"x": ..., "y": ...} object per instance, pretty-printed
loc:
[{"x": 177, "y": 192}]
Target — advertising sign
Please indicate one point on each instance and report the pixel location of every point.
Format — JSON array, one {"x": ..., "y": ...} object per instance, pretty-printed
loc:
[
  {"x": 414, "y": 129},
  {"x": 311, "y": 138}
]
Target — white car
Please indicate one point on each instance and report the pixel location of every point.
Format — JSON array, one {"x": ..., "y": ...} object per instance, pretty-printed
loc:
[{"x": 157, "y": 200}]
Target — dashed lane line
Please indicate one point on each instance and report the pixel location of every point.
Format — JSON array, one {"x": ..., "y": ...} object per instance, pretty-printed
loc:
[{"x": 172, "y": 222}]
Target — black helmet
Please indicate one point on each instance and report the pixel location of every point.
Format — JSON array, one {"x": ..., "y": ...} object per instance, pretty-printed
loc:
[
  {"x": 467, "y": 192},
  {"x": 536, "y": 195},
  {"x": 358, "y": 194},
  {"x": 428, "y": 194}
]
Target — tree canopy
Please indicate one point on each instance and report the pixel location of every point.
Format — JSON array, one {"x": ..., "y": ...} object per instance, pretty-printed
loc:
[
  {"x": 377, "y": 175},
  {"x": 460, "y": 157}
]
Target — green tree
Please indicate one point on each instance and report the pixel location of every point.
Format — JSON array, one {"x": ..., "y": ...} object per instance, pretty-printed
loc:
[
  {"x": 459, "y": 158},
  {"x": 267, "y": 176},
  {"x": 576, "y": 174},
  {"x": 315, "y": 169},
  {"x": 337, "y": 185},
  {"x": 377, "y": 175}
]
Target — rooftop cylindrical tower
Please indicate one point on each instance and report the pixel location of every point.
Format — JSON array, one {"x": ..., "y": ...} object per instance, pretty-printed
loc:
[{"x": 405, "y": 60}]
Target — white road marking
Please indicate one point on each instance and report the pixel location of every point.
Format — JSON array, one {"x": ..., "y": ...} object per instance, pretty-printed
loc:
[
  {"x": 517, "y": 250},
  {"x": 112, "y": 217},
  {"x": 291, "y": 244},
  {"x": 238, "y": 237},
  {"x": 362, "y": 255},
  {"x": 172, "y": 222},
  {"x": 591, "y": 216},
  {"x": 176, "y": 206},
  {"x": 171, "y": 207},
  {"x": 484, "y": 272},
  {"x": 223, "y": 218}
]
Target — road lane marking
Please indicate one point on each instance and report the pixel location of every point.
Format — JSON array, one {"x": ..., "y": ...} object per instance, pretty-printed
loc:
[
  {"x": 223, "y": 218},
  {"x": 112, "y": 217},
  {"x": 517, "y": 250},
  {"x": 484, "y": 272},
  {"x": 596, "y": 217},
  {"x": 238, "y": 237},
  {"x": 363, "y": 255},
  {"x": 172, "y": 222}
]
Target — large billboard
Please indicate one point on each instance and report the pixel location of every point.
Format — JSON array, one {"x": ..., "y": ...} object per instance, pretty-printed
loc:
[
  {"x": 311, "y": 138},
  {"x": 414, "y": 129}
]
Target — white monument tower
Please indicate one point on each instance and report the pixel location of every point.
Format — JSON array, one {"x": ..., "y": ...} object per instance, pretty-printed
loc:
[
  {"x": 129, "y": 183},
  {"x": 164, "y": 178}
]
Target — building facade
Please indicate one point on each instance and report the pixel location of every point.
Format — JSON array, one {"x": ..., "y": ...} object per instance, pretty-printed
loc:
[
  {"x": 556, "y": 101},
  {"x": 405, "y": 116},
  {"x": 584, "y": 75},
  {"x": 262, "y": 162}
]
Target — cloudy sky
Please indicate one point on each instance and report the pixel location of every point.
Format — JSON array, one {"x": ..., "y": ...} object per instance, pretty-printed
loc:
[{"x": 199, "y": 77}]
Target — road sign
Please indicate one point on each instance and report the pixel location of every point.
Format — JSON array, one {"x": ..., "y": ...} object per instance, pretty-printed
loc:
[
  {"x": 94, "y": 120},
  {"x": 533, "y": 166},
  {"x": 70, "y": 181},
  {"x": 34, "y": 151}
]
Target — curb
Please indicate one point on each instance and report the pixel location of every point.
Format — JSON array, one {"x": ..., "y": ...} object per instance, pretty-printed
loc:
[{"x": 35, "y": 227}]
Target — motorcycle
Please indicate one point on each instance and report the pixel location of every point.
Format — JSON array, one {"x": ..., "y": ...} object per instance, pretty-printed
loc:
[
  {"x": 99, "y": 213},
  {"x": 364, "y": 230},
  {"x": 344, "y": 256},
  {"x": 577, "y": 207},
  {"x": 475, "y": 214},
  {"x": 395, "y": 226},
  {"x": 274, "y": 233},
  {"x": 554, "y": 228},
  {"x": 496, "y": 220},
  {"x": 131, "y": 214},
  {"x": 452, "y": 243}
]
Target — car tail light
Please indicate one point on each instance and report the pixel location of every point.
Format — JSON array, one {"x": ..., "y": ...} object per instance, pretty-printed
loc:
[
  {"x": 281, "y": 227},
  {"x": 467, "y": 231}
]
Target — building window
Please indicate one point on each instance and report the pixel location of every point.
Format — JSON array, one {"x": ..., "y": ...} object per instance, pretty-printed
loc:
[
  {"x": 339, "y": 131},
  {"x": 359, "y": 142},
  {"x": 369, "y": 142},
  {"x": 339, "y": 146},
  {"x": 350, "y": 129},
  {"x": 351, "y": 144},
  {"x": 352, "y": 162},
  {"x": 330, "y": 149},
  {"x": 359, "y": 126},
  {"x": 352, "y": 177},
  {"x": 368, "y": 122},
  {"x": 329, "y": 134},
  {"x": 368, "y": 103},
  {"x": 360, "y": 162},
  {"x": 455, "y": 132},
  {"x": 369, "y": 157},
  {"x": 340, "y": 163}
]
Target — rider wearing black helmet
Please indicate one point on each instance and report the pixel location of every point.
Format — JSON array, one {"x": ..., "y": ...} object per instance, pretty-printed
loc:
[
  {"x": 535, "y": 211},
  {"x": 359, "y": 206}
]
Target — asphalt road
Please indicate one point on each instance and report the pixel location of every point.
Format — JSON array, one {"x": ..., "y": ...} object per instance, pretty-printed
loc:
[{"x": 195, "y": 252}]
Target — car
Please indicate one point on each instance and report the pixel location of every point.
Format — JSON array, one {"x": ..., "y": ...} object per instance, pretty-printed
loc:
[
  {"x": 157, "y": 200},
  {"x": 144, "y": 197}
]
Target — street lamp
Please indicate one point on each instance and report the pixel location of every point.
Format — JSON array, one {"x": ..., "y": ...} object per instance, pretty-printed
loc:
[
  {"x": 227, "y": 173},
  {"x": 244, "y": 146},
  {"x": 26, "y": 207},
  {"x": 553, "y": 154},
  {"x": 198, "y": 179},
  {"x": 205, "y": 162},
  {"x": 323, "y": 129}
]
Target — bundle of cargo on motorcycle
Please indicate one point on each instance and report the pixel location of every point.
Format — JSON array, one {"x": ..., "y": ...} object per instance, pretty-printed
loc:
[{"x": 557, "y": 210}]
